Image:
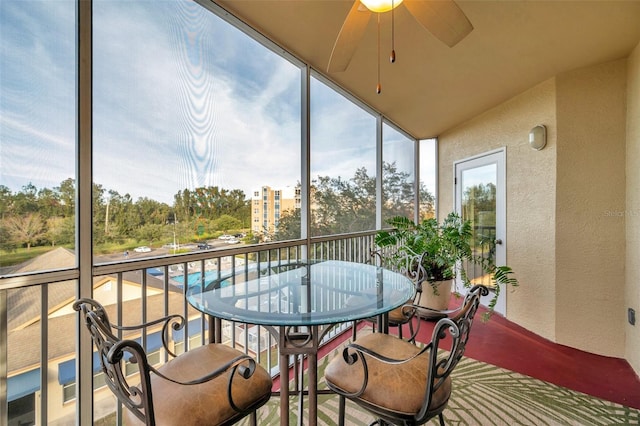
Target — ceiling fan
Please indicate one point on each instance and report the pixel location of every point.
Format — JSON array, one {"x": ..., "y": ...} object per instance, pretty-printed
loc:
[{"x": 442, "y": 18}]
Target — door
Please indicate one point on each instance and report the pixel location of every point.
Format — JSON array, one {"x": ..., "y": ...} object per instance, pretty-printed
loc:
[{"x": 480, "y": 197}]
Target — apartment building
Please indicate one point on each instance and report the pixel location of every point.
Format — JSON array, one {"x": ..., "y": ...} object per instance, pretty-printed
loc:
[{"x": 269, "y": 204}]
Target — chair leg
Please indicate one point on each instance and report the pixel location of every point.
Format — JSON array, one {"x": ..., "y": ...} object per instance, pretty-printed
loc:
[
  {"x": 253, "y": 418},
  {"x": 441, "y": 417},
  {"x": 341, "y": 407}
]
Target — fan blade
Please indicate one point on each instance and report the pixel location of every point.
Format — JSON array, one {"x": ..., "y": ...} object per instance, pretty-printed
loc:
[
  {"x": 442, "y": 18},
  {"x": 349, "y": 37}
]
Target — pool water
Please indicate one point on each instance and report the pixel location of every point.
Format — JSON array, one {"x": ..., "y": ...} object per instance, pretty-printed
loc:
[{"x": 194, "y": 279}]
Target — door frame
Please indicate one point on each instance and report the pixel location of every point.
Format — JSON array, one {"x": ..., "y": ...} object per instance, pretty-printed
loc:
[{"x": 498, "y": 157}]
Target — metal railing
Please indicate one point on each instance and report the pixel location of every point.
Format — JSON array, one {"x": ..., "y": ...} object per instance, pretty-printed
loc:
[
  {"x": 483, "y": 246},
  {"x": 37, "y": 327}
]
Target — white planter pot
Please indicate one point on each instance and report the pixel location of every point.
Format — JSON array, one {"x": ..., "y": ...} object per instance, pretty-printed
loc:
[{"x": 438, "y": 299}]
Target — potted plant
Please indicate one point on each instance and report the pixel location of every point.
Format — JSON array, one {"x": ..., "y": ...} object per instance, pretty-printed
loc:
[{"x": 440, "y": 250}]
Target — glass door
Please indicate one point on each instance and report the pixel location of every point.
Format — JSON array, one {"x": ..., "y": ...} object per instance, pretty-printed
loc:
[{"x": 480, "y": 197}]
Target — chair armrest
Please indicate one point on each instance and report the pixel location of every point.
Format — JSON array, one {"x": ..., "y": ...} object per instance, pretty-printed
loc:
[
  {"x": 242, "y": 365},
  {"x": 234, "y": 366},
  {"x": 431, "y": 314},
  {"x": 411, "y": 312},
  {"x": 355, "y": 353},
  {"x": 175, "y": 322}
]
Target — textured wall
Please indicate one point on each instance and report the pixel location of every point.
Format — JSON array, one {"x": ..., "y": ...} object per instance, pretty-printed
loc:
[
  {"x": 530, "y": 181},
  {"x": 632, "y": 295},
  {"x": 565, "y": 229},
  {"x": 590, "y": 208}
]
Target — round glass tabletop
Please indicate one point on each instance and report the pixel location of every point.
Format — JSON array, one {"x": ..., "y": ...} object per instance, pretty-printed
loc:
[{"x": 302, "y": 293}]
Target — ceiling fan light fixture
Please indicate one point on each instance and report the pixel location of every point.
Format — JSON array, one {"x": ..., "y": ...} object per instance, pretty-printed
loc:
[{"x": 380, "y": 6}]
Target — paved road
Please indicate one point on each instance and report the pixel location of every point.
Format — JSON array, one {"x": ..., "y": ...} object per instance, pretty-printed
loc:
[{"x": 157, "y": 251}]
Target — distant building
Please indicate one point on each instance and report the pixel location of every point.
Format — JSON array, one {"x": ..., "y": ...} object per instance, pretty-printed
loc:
[{"x": 268, "y": 205}]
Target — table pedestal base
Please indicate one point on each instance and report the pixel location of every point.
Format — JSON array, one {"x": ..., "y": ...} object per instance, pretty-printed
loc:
[{"x": 299, "y": 342}]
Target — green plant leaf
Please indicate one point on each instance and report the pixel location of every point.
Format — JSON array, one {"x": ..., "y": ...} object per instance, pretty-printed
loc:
[{"x": 440, "y": 249}]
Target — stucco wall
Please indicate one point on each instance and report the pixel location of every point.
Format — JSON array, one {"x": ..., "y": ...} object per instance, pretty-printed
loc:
[
  {"x": 590, "y": 206},
  {"x": 530, "y": 181},
  {"x": 565, "y": 237},
  {"x": 632, "y": 294}
]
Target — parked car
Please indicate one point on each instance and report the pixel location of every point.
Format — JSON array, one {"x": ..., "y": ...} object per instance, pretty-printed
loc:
[
  {"x": 232, "y": 241},
  {"x": 204, "y": 246},
  {"x": 142, "y": 249},
  {"x": 225, "y": 237}
]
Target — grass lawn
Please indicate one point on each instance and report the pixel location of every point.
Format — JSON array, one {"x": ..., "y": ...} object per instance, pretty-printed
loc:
[
  {"x": 8, "y": 258},
  {"x": 21, "y": 255}
]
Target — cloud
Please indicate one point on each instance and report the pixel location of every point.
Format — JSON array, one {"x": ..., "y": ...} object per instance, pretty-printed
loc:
[
  {"x": 181, "y": 99},
  {"x": 37, "y": 106}
]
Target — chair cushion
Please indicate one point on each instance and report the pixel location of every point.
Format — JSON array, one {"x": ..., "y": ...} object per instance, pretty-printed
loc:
[
  {"x": 399, "y": 388},
  {"x": 206, "y": 403}
]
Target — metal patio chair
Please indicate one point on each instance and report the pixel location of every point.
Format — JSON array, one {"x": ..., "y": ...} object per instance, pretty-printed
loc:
[
  {"x": 398, "y": 382},
  {"x": 406, "y": 314},
  {"x": 212, "y": 384}
]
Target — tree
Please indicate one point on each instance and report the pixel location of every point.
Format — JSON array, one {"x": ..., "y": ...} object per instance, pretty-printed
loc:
[
  {"x": 150, "y": 232},
  {"x": 349, "y": 205},
  {"x": 181, "y": 202},
  {"x": 67, "y": 193},
  {"x": 26, "y": 229},
  {"x": 397, "y": 188},
  {"x": 26, "y": 201},
  {"x": 6, "y": 239},
  {"x": 67, "y": 231},
  {"x": 152, "y": 211},
  {"x": 341, "y": 206},
  {"x": 427, "y": 204},
  {"x": 47, "y": 216},
  {"x": 479, "y": 203},
  {"x": 226, "y": 223},
  {"x": 482, "y": 195},
  {"x": 289, "y": 225},
  {"x": 6, "y": 201},
  {"x": 55, "y": 230},
  {"x": 48, "y": 202},
  {"x": 211, "y": 203}
]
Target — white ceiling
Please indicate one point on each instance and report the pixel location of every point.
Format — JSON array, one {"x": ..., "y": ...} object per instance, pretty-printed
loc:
[{"x": 431, "y": 87}]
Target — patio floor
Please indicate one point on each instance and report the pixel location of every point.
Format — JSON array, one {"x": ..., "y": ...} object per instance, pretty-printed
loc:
[{"x": 505, "y": 344}]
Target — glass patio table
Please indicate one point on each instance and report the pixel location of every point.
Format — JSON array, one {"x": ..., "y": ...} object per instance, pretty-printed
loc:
[{"x": 299, "y": 302}]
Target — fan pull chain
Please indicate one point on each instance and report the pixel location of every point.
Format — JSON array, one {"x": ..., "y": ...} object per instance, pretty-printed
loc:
[
  {"x": 392, "y": 58},
  {"x": 379, "y": 86}
]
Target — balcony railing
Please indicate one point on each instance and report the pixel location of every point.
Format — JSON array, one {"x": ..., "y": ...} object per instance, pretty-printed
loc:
[
  {"x": 484, "y": 246},
  {"x": 38, "y": 349}
]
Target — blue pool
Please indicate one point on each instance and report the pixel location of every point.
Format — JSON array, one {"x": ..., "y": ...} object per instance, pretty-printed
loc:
[{"x": 194, "y": 279}]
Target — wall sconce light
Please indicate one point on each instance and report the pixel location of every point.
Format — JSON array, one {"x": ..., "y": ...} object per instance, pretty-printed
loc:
[{"x": 538, "y": 137}]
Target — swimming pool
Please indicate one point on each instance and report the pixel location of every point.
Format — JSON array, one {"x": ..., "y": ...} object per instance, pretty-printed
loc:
[
  {"x": 194, "y": 279},
  {"x": 252, "y": 271}
]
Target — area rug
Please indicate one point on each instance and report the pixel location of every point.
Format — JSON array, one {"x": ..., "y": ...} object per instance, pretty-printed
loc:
[{"x": 483, "y": 394}]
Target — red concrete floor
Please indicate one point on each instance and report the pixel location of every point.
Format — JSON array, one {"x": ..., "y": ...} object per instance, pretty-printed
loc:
[{"x": 504, "y": 344}]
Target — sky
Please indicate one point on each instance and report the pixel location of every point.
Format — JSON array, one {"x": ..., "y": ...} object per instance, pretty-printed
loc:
[{"x": 181, "y": 99}]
